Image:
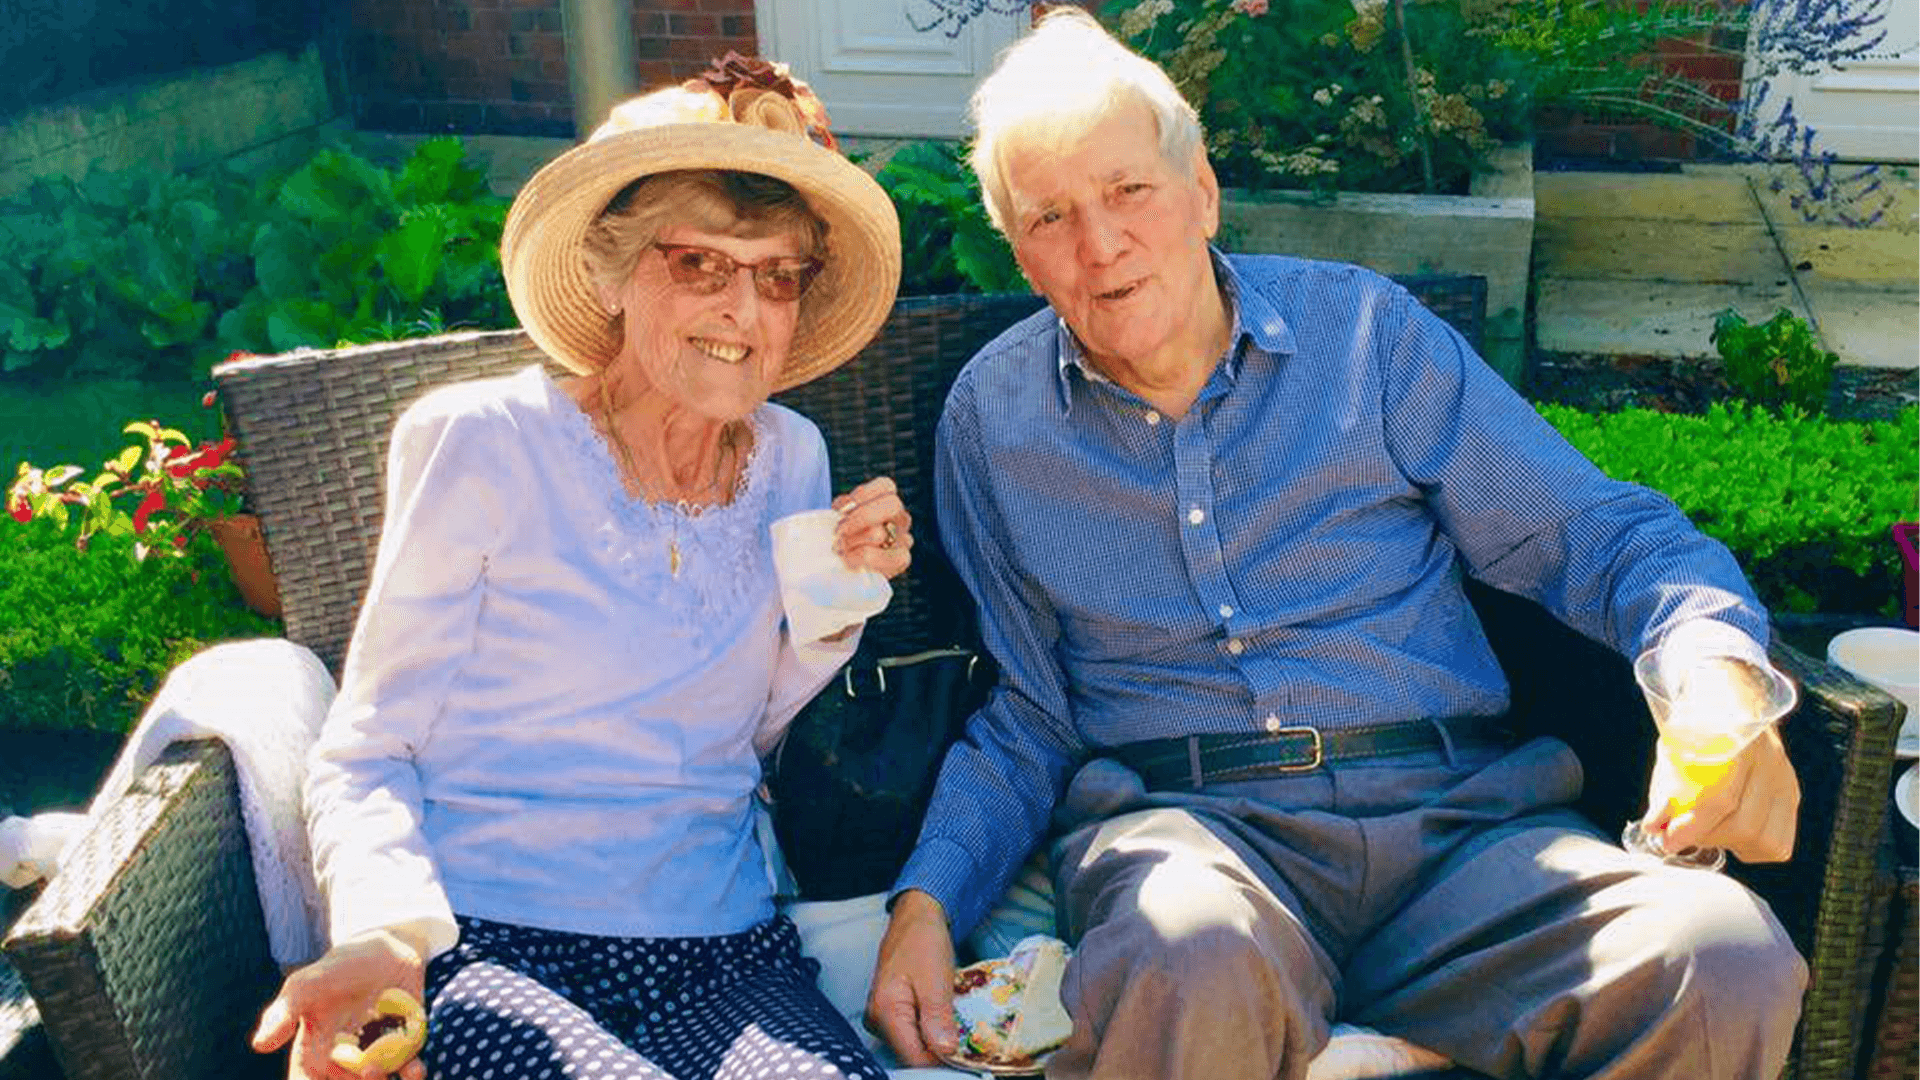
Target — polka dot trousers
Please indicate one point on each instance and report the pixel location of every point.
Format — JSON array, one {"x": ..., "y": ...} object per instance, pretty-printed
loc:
[{"x": 521, "y": 1003}]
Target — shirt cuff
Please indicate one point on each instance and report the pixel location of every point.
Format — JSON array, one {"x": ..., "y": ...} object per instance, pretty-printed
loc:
[
  {"x": 944, "y": 869},
  {"x": 367, "y": 905},
  {"x": 1696, "y": 640},
  {"x": 1687, "y": 655}
]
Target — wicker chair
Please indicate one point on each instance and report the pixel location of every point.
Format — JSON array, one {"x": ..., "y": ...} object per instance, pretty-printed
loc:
[{"x": 147, "y": 953}]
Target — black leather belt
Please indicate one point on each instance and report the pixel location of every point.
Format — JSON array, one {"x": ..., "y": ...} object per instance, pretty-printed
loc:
[{"x": 1197, "y": 760}]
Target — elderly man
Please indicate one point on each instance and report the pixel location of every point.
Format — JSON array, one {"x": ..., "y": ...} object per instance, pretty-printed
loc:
[{"x": 1215, "y": 511}]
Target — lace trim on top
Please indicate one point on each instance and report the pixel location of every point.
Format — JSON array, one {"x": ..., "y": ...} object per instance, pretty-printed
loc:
[{"x": 725, "y": 568}]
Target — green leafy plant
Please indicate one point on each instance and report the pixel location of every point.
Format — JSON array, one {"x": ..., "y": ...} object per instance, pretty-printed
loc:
[
  {"x": 121, "y": 275},
  {"x": 159, "y": 493},
  {"x": 354, "y": 249},
  {"x": 86, "y": 641},
  {"x": 156, "y": 277},
  {"x": 1802, "y": 501},
  {"x": 947, "y": 242},
  {"x": 1776, "y": 363}
]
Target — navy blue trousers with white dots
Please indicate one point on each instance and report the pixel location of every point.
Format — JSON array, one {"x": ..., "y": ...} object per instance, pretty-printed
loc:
[{"x": 518, "y": 1002}]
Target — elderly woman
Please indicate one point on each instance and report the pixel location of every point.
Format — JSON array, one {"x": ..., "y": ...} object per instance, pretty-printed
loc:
[{"x": 532, "y": 804}]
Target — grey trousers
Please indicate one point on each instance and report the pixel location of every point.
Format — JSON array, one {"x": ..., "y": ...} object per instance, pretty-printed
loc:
[{"x": 1455, "y": 903}]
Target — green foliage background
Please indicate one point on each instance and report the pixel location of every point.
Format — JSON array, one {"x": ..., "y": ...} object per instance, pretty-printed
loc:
[
  {"x": 947, "y": 242},
  {"x": 87, "y": 638},
  {"x": 1804, "y": 502},
  {"x": 138, "y": 275}
]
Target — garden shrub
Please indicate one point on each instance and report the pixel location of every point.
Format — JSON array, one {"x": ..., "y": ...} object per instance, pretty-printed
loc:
[
  {"x": 122, "y": 275},
  {"x": 1774, "y": 363},
  {"x": 156, "y": 277},
  {"x": 947, "y": 243},
  {"x": 88, "y": 637},
  {"x": 1804, "y": 502}
]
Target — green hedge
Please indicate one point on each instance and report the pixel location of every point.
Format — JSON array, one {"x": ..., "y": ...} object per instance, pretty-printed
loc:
[
  {"x": 1804, "y": 502},
  {"x": 88, "y": 637}
]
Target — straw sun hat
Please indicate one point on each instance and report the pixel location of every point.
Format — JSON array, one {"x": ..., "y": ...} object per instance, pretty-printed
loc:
[{"x": 746, "y": 115}]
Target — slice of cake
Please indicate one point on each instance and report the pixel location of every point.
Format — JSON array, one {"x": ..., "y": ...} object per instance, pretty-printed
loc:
[{"x": 1008, "y": 1009}]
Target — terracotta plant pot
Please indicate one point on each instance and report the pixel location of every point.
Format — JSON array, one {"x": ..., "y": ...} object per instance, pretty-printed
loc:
[{"x": 246, "y": 551}]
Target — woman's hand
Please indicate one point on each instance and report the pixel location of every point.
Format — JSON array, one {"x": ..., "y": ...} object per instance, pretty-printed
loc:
[
  {"x": 875, "y": 529},
  {"x": 335, "y": 995}
]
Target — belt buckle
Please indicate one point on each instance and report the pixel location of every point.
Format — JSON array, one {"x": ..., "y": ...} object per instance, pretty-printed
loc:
[{"x": 1319, "y": 749}]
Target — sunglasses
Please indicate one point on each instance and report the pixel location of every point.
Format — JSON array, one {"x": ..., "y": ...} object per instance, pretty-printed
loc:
[{"x": 781, "y": 279}]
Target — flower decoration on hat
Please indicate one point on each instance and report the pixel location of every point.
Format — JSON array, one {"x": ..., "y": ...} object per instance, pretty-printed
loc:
[{"x": 765, "y": 93}]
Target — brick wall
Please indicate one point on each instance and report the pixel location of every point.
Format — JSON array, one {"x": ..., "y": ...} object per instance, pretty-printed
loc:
[
  {"x": 1616, "y": 138},
  {"x": 499, "y": 66}
]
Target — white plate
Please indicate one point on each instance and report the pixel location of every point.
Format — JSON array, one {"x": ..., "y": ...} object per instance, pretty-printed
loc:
[
  {"x": 1906, "y": 795},
  {"x": 959, "y": 1059},
  {"x": 1908, "y": 745}
]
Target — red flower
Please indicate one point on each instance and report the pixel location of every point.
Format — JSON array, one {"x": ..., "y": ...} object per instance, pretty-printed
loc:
[
  {"x": 210, "y": 456},
  {"x": 155, "y": 500},
  {"x": 21, "y": 510}
]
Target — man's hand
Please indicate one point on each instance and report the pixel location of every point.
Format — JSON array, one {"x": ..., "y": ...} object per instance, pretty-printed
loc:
[
  {"x": 911, "y": 1002},
  {"x": 1752, "y": 808},
  {"x": 334, "y": 995}
]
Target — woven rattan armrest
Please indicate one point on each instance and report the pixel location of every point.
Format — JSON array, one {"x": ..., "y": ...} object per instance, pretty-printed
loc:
[
  {"x": 147, "y": 953},
  {"x": 1841, "y": 739}
]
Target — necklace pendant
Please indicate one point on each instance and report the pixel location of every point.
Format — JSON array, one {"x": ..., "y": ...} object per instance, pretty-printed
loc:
[{"x": 673, "y": 556}]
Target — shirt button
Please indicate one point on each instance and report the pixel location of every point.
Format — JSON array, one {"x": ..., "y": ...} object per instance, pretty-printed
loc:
[
  {"x": 1273, "y": 723},
  {"x": 1236, "y": 646},
  {"x": 1153, "y": 417},
  {"x": 1196, "y": 515},
  {"x": 1226, "y": 611}
]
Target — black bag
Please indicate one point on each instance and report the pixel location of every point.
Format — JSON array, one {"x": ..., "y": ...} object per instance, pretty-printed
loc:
[{"x": 851, "y": 780}]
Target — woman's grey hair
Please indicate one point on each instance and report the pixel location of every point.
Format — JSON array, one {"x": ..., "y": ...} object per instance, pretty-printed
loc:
[
  {"x": 741, "y": 204},
  {"x": 1056, "y": 84}
]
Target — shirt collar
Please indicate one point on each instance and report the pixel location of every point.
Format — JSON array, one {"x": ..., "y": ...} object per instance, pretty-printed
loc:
[{"x": 1250, "y": 314}]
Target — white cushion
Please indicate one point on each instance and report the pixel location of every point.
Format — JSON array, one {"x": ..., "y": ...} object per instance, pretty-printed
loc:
[{"x": 844, "y": 935}]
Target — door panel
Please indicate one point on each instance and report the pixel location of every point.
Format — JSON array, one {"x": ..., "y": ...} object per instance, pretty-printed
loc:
[
  {"x": 1870, "y": 111},
  {"x": 876, "y": 73}
]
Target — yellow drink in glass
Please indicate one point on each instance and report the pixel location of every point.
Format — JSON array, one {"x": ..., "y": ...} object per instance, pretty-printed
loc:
[
  {"x": 1704, "y": 724},
  {"x": 1698, "y": 758}
]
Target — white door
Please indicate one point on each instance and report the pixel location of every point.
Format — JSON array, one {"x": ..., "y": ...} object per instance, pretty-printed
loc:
[
  {"x": 1871, "y": 110},
  {"x": 876, "y": 73}
]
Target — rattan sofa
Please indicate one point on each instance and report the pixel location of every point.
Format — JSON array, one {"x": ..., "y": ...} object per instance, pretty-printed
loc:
[{"x": 147, "y": 955}]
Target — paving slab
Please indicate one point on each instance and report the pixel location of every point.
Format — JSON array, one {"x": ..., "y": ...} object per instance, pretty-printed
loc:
[
  {"x": 1880, "y": 258},
  {"x": 1660, "y": 197},
  {"x": 1644, "y": 318},
  {"x": 1874, "y": 328},
  {"x": 1634, "y": 248},
  {"x": 1897, "y": 199}
]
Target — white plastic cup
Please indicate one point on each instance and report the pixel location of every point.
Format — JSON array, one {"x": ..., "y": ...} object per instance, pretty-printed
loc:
[{"x": 820, "y": 593}]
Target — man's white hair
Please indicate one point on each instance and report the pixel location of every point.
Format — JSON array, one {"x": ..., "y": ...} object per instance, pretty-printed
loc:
[{"x": 1056, "y": 84}]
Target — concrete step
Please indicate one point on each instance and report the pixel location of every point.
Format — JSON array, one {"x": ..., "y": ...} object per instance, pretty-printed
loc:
[{"x": 1638, "y": 265}]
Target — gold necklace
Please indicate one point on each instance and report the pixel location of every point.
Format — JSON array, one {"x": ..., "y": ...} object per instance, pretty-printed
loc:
[{"x": 723, "y": 459}]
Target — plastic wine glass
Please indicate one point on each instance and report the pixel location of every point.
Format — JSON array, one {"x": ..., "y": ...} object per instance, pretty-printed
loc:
[{"x": 1703, "y": 724}]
